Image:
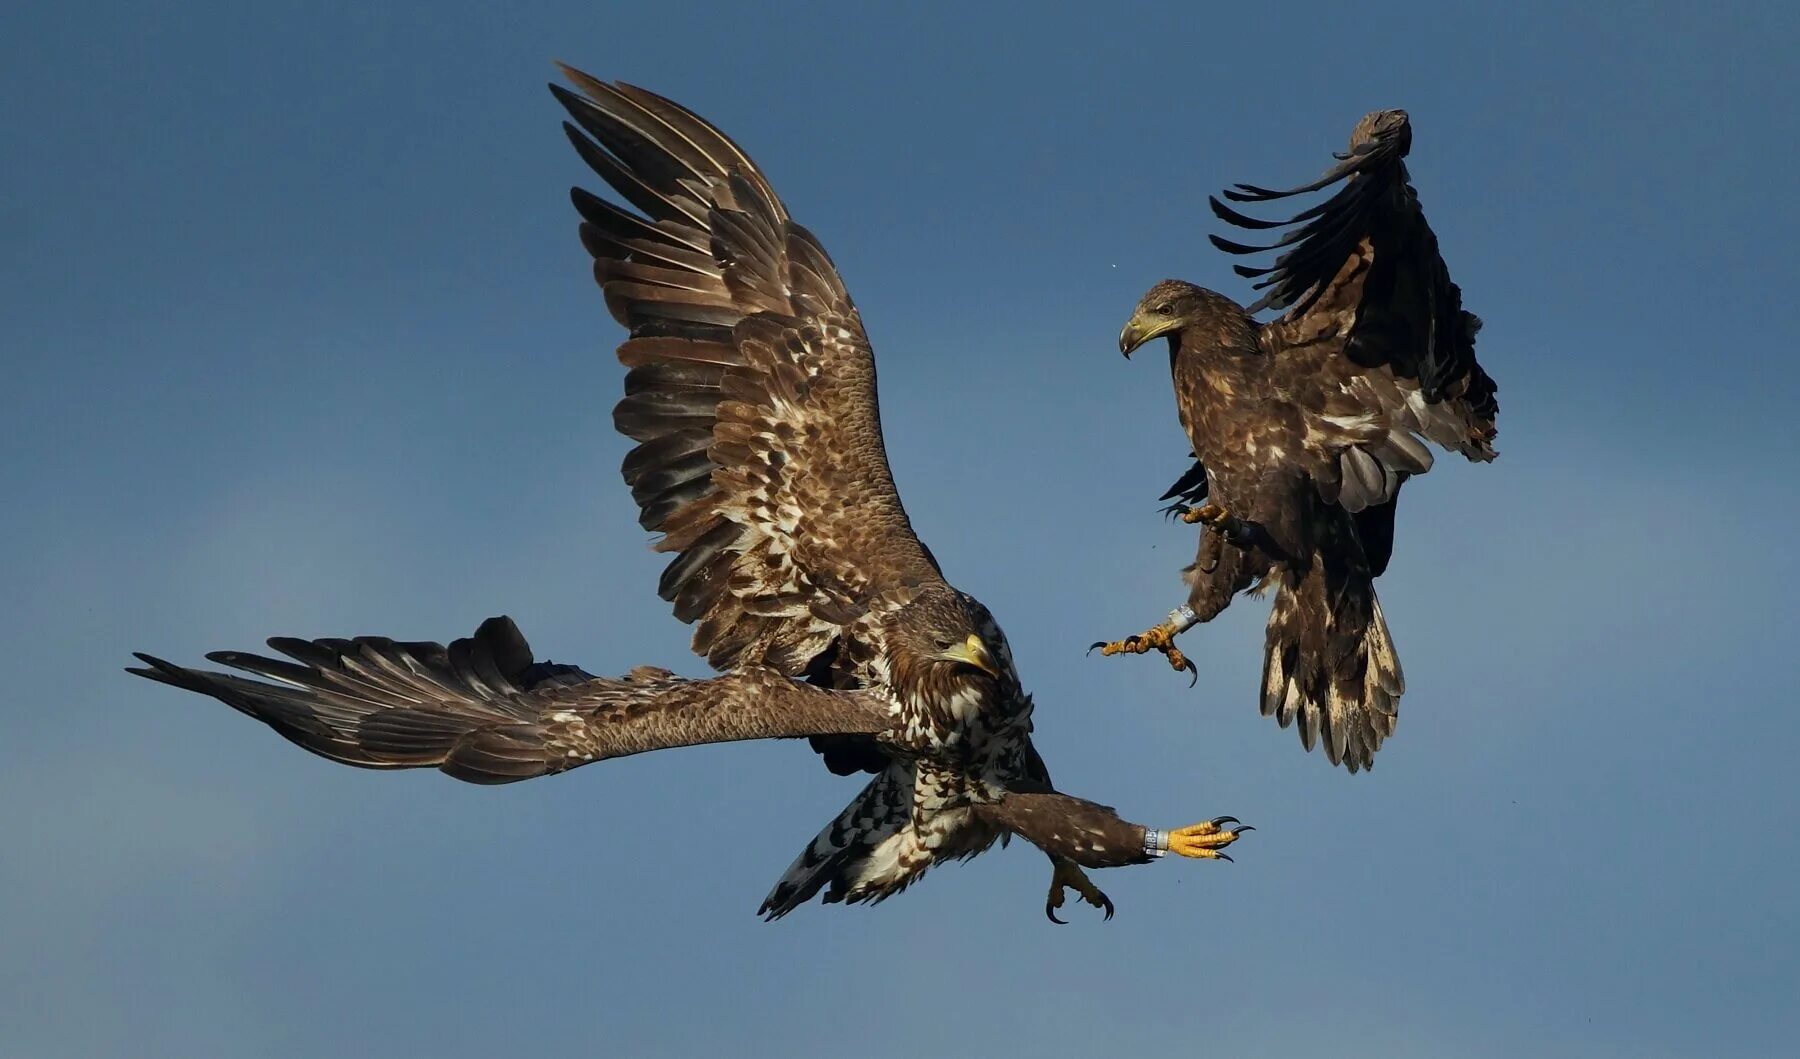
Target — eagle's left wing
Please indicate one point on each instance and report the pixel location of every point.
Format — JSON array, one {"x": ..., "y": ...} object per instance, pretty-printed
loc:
[
  {"x": 483, "y": 711},
  {"x": 1375, "y": 341},
  {"x": 751, "y": 394}
]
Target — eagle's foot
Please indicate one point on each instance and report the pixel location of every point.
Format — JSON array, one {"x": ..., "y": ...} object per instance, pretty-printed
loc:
[
  {"x": 1205, "y": 840},
  {"x": 1069, "y": 876},
  {"x": 1211, "y": 514},
  {"x": 1156, "y": 638},
  {"x": 1240, "y": 532}
]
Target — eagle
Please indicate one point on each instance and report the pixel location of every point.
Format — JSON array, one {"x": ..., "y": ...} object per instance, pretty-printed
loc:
[
  {"x": 758, "y": 458},
  {"x": 1303, "y": 429}
]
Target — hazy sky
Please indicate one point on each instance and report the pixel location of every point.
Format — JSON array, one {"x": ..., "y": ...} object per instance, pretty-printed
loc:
[{"x": 298, "y": 339}]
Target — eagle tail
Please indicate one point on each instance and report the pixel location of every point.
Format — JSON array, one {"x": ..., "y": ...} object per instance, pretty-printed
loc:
[
  {"x": 874, "y": 848},
  {"x": 1329, "y": 662},
  {"x": 880, "y": 812}
]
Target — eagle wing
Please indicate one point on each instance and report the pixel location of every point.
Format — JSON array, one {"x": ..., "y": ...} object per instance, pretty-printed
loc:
[
  {"x": 1374, "y": 340},
  {"x": 751, "y": 393},
  {"x": 482, "y": 710}
]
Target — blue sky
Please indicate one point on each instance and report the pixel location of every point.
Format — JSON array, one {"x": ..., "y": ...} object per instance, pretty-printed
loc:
[{"x": 298, "y": 339}]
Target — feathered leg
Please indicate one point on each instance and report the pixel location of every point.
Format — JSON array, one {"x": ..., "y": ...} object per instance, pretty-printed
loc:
[
  {"x": 1233, "y": 530},
  {"x": 1076, "y": 834},
  {"x": 1218, "y": 573}
]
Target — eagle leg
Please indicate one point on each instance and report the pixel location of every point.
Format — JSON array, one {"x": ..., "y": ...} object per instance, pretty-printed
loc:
[
  {"x": 1069, "y": 876},
  {"x": 1155, "y": 638},
  {"x": 1239, "y": 532},
  {"x": 1205, "y": 839}
]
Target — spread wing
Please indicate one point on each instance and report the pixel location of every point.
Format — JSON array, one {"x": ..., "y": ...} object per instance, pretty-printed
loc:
[
  {"x": 482, "y": 710},
  {"x": 751, "y": 393},
  {"x": 1374, "y": 334}
]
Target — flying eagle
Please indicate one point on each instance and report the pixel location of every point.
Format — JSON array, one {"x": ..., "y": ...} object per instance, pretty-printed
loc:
[
  {"x": 760, "y": 461},
  {"x": 1305, "y": 427}
]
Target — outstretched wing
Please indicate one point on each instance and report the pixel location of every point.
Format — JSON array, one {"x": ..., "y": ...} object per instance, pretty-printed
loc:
[
  {"x": 482, "y": 710},
  {"x": 1374, "y": 333},
  {"x": 751, "y": 393}
]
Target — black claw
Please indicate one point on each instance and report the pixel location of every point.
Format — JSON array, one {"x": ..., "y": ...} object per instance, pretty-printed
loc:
[
  {"x": 1226, "y": 857},
  {"x": 1221, "y": 821},
  {"x": 1192, "y": 671},
  {"x": 1095, "y": 646},
  {"x": 1050, "y": 910},
  {"x": 1241, "y": 830},
  {"x": 1106, "y": 903}
]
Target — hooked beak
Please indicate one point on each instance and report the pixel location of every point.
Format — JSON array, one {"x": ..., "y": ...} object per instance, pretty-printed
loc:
[
  {"x": 974, "y": 653},
  {"x": 1137, "y": 332}
]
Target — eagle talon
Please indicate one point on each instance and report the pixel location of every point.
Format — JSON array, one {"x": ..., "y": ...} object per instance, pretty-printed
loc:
[
  {"x": 1183, "y": 664},
  {"x": 1068, "y": 876},
  {"x": 1156, "y": 638},
  {"x": 1211, "y": 514},
  {"x": 1239, "y": 532},
  {"x": 1206, "y": 840}
]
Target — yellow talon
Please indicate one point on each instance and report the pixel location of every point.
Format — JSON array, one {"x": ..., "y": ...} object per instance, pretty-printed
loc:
[
  {"x": 1211, "y": 514},
  {"x": 1204, "y": 840},
  {"x": 1156, "y": 638}
]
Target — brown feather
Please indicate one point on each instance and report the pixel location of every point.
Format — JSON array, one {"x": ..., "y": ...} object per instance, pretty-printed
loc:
[{"x": 1309, "y": 425}]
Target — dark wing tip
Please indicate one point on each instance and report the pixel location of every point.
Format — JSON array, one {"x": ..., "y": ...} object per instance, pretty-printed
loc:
[
  {"x": 499, "y": 626},
  {"x": 155, "y": 668},
  {"x": 505, "y": 644},
  {"x": 563, "y": 95}
]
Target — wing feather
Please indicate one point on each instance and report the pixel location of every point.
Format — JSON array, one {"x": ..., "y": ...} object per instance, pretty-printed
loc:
[
  {"x": 482, "y": 710},
  {"x": 752, "y": 391},
  {"x": 1374, "y": 333}
]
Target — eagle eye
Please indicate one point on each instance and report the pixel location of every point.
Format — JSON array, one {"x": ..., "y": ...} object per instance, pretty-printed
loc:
[{"x": 1165, "y": 309}]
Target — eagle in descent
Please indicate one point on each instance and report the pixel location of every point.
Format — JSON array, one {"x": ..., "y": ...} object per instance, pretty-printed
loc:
[
  {"x": 759, "y": 460},
  {"x": 1304, "y": 428}
]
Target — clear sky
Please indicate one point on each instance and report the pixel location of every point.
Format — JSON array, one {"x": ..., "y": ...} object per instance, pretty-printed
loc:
[{"x": 298, "y": 339}]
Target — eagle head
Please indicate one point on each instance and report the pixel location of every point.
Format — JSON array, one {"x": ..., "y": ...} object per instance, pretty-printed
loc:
[
  {"x": 944, "y": 647},
  {"x": 1169, "y": 308}
]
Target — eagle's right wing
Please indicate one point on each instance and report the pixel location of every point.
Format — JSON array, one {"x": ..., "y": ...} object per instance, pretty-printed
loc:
[
  {"x": 751, "y": 393},
  {"x": 482, "y": 710}
]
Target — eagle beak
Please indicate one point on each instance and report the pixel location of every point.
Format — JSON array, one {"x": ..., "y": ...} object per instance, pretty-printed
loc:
[
  {"x": 974, "y": 653},
  {"x": 1136, "y": 334},
  {"x": 1130, "y": 339}
]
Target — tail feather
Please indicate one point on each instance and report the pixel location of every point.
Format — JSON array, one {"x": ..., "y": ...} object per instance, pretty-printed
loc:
[
  {"x": 880, "y": 844},
  {"x": 1329, "y": 664},
  {"x": 877, "y": 814}
]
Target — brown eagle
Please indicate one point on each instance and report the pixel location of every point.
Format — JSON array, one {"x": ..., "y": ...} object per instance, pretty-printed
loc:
[
  {"x": 760, "y": 461},
  {"x": 1305, "y": 427}
]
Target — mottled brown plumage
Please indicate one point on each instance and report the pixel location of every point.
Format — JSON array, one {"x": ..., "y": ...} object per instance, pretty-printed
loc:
[
  {"x": 750, "y": 393},
  {"x": 1305, "y": 427}
]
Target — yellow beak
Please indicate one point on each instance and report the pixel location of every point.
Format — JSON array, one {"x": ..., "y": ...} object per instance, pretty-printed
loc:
[
  {"x": 975, "y": 653},
  {"x": 1141, "y": 330}
]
